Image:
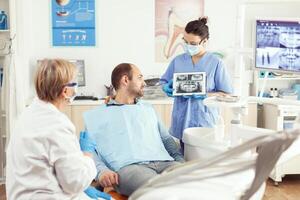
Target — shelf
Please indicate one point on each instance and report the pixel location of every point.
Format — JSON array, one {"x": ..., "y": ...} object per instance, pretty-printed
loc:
[
  {"x": 4, "y": 31},
  {"x": 280, "y": 78}
]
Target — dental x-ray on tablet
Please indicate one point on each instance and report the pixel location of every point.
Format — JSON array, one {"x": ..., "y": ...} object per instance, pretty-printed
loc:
[{"x": 189, "y": 83}]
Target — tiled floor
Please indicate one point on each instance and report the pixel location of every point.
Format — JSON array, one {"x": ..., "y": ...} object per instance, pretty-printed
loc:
[{"x": 289, "y": 189}]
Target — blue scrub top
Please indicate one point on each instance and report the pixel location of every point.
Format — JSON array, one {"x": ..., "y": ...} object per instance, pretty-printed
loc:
[{"x": 190, "y": 112}]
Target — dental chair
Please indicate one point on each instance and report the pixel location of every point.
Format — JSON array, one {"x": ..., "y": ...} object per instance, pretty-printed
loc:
[{"x": 222, "y": 176}]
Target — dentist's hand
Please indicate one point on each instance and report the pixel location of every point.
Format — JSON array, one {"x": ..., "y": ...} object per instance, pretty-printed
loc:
[
  {"x": 168, "y": 88},
  {"x": 96, "y": 194},
  {"x": 86, "y": 144},
  {"x": 108, "y": 178}
]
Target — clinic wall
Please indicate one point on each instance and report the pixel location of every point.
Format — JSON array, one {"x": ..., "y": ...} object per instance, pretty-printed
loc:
[{"x": 125, "y": 33}]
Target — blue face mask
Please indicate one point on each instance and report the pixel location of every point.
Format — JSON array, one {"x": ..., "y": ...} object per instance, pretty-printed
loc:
[{"x": 192, "y": 49}]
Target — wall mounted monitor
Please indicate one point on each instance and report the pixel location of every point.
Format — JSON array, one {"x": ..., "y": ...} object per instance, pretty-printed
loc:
[
  {"x": 81, "y": 71},
  {"x": 278, "y": 45}
]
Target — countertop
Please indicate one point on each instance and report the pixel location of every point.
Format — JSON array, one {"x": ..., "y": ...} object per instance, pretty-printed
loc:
[{"x": 98, "y": 102}]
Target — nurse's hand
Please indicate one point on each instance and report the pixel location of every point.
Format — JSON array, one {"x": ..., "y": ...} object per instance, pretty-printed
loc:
[
  {"x": 86, "y": 144},
  {"x": 168, "y": 88},
  {"x": 95, "y": 194},
  {"x": 108, "y": 179}
]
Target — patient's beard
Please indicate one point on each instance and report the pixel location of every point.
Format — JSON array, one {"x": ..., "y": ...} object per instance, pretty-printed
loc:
[{"x": 137, "y": 92}]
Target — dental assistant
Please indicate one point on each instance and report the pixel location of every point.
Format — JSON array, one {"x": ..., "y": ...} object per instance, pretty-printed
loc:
[
  {"x": 44, "y": 159},
  {"x": 189, "y": 111}
]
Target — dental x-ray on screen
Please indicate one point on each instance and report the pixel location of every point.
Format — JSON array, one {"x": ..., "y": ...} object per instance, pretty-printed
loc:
[
  {"x": 189, "y": 83},
  {"x": 278, "y": 45}
]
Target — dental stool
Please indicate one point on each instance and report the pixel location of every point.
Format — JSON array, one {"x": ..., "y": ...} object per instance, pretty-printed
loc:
[
  {"x": 110, "y": 191},
  {"x": 230, "y": 175},
  {"x": 114, "y": 194}
]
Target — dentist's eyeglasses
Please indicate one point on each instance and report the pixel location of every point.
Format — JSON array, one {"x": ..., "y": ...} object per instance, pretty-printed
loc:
[
  {"x": 191, "y": 43},
  {"x": 72, "y": 84}
]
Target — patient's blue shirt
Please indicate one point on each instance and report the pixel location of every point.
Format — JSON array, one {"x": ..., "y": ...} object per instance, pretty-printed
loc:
[{"x": 126, "y": 134}]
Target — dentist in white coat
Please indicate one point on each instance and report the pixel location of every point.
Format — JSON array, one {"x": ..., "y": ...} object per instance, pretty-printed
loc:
[{"x": 44, "y": 159}]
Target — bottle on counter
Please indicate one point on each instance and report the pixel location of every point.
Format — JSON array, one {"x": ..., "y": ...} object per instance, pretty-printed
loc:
[
  {"x": 275, "y": 92},
  {"x": 271, "y": 92},
  {"x": 3, "y": 20}
]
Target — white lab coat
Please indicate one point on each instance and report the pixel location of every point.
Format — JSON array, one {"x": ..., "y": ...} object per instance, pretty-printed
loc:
[{"x": 44, "y": 160}]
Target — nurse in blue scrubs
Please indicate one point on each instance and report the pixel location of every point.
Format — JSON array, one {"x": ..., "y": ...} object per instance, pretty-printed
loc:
[{"x": 189, "y": 111}]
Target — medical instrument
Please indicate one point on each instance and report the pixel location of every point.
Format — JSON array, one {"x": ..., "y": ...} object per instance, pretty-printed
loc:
[
  {"x": 152, "y": 89},
  {"x": 152, "y": 81},
  {"x": 109, "y": 90},
  {"x": 296, "y": 87},
  {"x": 86, "y": 98},
  {"x": 288, "y": 94}
]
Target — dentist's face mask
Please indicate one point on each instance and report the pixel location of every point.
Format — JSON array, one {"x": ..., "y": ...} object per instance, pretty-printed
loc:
[
  {"x": 193, "y": 47},
  {"x": 74, "y": 85}
]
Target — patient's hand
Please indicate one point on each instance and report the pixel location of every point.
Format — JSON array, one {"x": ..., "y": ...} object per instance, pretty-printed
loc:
[{"x": 108, "y": 179}]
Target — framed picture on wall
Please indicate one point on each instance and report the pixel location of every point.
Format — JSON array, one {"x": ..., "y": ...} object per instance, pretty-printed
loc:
[
  {"x": 171, "y": 16},
  {"x": 73, "y": 22},
  {"x": 189, "y": 83}
]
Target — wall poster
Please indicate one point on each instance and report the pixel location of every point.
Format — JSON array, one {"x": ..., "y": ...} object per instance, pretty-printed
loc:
[
  {"x": 171, "y": 17},
  {"x": 73, "y": 22}
]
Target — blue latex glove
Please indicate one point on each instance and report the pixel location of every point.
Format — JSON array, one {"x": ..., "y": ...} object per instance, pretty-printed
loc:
[
  {"x": 195, "y": 96},
  {"x": 95, "y": 194},
  {"x": 86, "y": 144},
  {"x": 168, "y": 88}
]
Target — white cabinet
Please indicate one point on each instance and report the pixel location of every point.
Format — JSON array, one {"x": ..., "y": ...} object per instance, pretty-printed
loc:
[
  {"x": 77, "y": 116},
  {"x": 283, "y": 117}
]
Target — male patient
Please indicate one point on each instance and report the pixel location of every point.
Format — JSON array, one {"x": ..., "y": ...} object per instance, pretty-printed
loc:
[{"x": 132, "y": 145}]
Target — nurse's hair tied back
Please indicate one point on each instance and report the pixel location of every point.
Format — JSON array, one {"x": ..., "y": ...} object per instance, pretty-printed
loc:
[
  {"x": 198, "y": 27},
  {"x": 203, "y": 20}
]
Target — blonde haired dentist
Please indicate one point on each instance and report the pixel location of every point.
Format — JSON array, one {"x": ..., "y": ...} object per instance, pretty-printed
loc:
[{"x": 44, "y": 160}]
